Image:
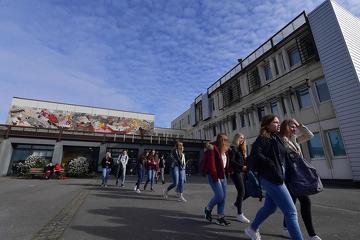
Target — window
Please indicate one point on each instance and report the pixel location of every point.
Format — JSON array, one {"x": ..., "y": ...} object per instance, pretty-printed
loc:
[
  {"x": 274, "y": 108},
  {"x": 276, "y": 67},
  {"x": 315, "y": 147},
  {"x": 261, "y": 112},
  {"x": 233, "y": 121},
  {"x": 303, "y": 97},
  {"x": 253, "y": 80},
  {"x": 282, "y": 62},
  {"x": 322, "y": 90},
  {"x": 294, "y": 56},
  {"x": 242, "y": 119},
  {"x": 336, "y": 142},
  {"x": 214, "y": 131},
  {"x": 188, "y": 119},
  {"x": 267, "y": 71},
  {"x": 22, "y": 151}
]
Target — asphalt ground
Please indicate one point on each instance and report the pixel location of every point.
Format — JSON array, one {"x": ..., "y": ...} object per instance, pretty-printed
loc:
[{"x": 81, "y": 209}]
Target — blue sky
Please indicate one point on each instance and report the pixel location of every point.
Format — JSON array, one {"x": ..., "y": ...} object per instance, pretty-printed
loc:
[{"x": 150, "y": 56}]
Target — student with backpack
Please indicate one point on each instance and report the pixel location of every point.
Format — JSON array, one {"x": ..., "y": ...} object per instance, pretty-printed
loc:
[
  {"x": 237, "y": 155},
  {"x": 268, "y": 156}
]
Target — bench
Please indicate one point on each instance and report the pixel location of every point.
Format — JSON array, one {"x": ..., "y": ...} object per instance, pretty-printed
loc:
[{"x": 36, "y": 172}]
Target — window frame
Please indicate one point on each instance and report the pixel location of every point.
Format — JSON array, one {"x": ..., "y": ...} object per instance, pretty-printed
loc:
[
  {"x": 330, "y": 143},
  {"x": 317, "y": 90},
  {"x": 298, "y": 90},
  {"x": 322, "y": 147},
  {"x": 289, "y": 53}
]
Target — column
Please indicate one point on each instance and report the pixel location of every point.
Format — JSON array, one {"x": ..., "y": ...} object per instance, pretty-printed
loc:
[
  {"x": 6, "y": 151},
  {"x": 58, "y": 153}
]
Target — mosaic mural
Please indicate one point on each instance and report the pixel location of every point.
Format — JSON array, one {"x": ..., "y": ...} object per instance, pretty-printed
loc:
[{"x": 46, "y": 118}]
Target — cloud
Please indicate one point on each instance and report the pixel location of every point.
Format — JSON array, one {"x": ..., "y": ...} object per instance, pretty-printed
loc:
[{"x": 147, "y": 56}]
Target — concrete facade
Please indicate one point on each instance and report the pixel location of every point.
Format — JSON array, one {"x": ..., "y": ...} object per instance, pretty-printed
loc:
[{"x": 291, "y": 76}]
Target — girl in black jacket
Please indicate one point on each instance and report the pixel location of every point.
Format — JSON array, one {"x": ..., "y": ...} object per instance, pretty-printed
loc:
[
  {"x": 238, "y": 167},
  {"x": 268, "y": 156}
]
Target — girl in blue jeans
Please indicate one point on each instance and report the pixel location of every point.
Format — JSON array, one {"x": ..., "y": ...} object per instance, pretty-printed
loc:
[
  {"x": 216, "y": 165},
  {"x": 178, "y": 166},
  {"x": 268, "y": 158}
]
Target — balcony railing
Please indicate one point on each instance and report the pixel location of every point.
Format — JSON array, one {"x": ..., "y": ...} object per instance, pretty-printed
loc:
[{"x": 7, "y": 131}]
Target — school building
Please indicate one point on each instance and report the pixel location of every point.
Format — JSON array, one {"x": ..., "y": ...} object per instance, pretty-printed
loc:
[{"x": 308, "y": 70}]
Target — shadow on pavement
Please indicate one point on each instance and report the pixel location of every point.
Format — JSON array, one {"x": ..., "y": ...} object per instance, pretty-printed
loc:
[{"x": 137, "y": 223}]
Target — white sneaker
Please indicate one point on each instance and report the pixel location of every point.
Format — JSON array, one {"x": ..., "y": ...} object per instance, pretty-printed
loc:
[
  {"x": 285, "y": 233},
  {"x": 252, "y": 234},
  {"x": 242, "y": 218},
  {"x": 135, "y": 187},
  {"x": 316, "y": 237},
  {"x": 177, "y": 194},
  {"x": 137, "y": 191},
  {"x": 165, "y": 193},
  {"x": 182, "y": 199}
]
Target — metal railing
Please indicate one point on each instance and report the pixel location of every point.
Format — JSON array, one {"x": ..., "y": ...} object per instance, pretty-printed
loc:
[{"x": 7, "y": 131}]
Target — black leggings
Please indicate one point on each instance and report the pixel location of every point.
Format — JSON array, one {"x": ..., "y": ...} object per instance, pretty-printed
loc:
[
  {"x": 305, "y": 209},
  {"x": 238, "y": 180}
]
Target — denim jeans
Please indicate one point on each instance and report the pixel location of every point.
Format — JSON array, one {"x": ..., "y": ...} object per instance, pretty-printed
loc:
[
  {"x": 219, "y": 189},
  {"x": 178, "y": 178},
  {"x": 105, "y": 175},
  {"x": 123, "y": 174},
  {"x": 162, "y": 170},
  {"x": 150, "y": 178},
  {"x": 278, "y": 196},
  {"x": 140, "y": 176}
]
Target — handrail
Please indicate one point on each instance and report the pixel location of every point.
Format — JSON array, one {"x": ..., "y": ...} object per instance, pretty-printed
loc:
[{"x": 62, "y": 133}]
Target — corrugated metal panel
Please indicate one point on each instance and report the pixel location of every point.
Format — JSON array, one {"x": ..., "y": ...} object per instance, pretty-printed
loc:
[{"x": 337, "y": 37}]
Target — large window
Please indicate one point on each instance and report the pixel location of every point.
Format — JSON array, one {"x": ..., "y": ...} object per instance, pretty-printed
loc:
[
  {"x": 274, "y": 108},
  {"x": 253, "y": 80},
  {"x": 23, "y": 151},
  {"x": 315, "y": 147},
  {"x": 276, "y": 67},
  {"x": 242, "y": 118},
  {"x": 214, "y": 131},
  {"x": 267, "y": 71},
  {"x": 294, "y": 56},
  {"x": 322, "y": 90},
  {"x": 133, "y": 156},
  {"x": 336, "y": 142},
  {"x": 233, "y": 122},
  {"x": 303, "y": 97},
  {"x": 261, "y": 112}
]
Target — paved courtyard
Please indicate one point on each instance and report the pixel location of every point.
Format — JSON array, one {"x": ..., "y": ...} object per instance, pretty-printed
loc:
[{"x": 80, "y": 209}]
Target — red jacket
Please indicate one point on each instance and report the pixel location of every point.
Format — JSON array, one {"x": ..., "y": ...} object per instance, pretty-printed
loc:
[
  {"x": 213, "y": 163},
  {"x": 150, "y": 163}
]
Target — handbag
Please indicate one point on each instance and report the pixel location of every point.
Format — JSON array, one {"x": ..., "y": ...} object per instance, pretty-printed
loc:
[
  {"x": 253, "y": 187},
  {"x": 302, "y": 178}
]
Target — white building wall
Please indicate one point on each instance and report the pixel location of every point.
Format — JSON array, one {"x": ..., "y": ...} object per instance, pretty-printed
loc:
[{"x": 337, "y": 36}]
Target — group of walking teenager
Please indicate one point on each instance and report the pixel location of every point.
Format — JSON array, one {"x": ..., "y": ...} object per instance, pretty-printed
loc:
[
  {"x": 269, "y": 157},
  {"x": 223, "y": 159}
]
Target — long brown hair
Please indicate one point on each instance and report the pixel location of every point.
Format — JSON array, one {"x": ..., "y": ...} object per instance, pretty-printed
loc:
[
  {"x": 242, "y": 146},
  {"x": 265, "y": 122},
  {"x": 283, "y": 127},
  {"x": 222, "y": 141}
]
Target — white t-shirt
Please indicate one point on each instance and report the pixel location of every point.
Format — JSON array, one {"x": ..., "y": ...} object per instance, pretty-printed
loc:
[{"x": 224, "y": 158}]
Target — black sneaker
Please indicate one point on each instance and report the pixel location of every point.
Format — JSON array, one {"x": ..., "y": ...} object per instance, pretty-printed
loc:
[
  {"x": 208, "y": 215},
  {"x": 222, "y": 222}
]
